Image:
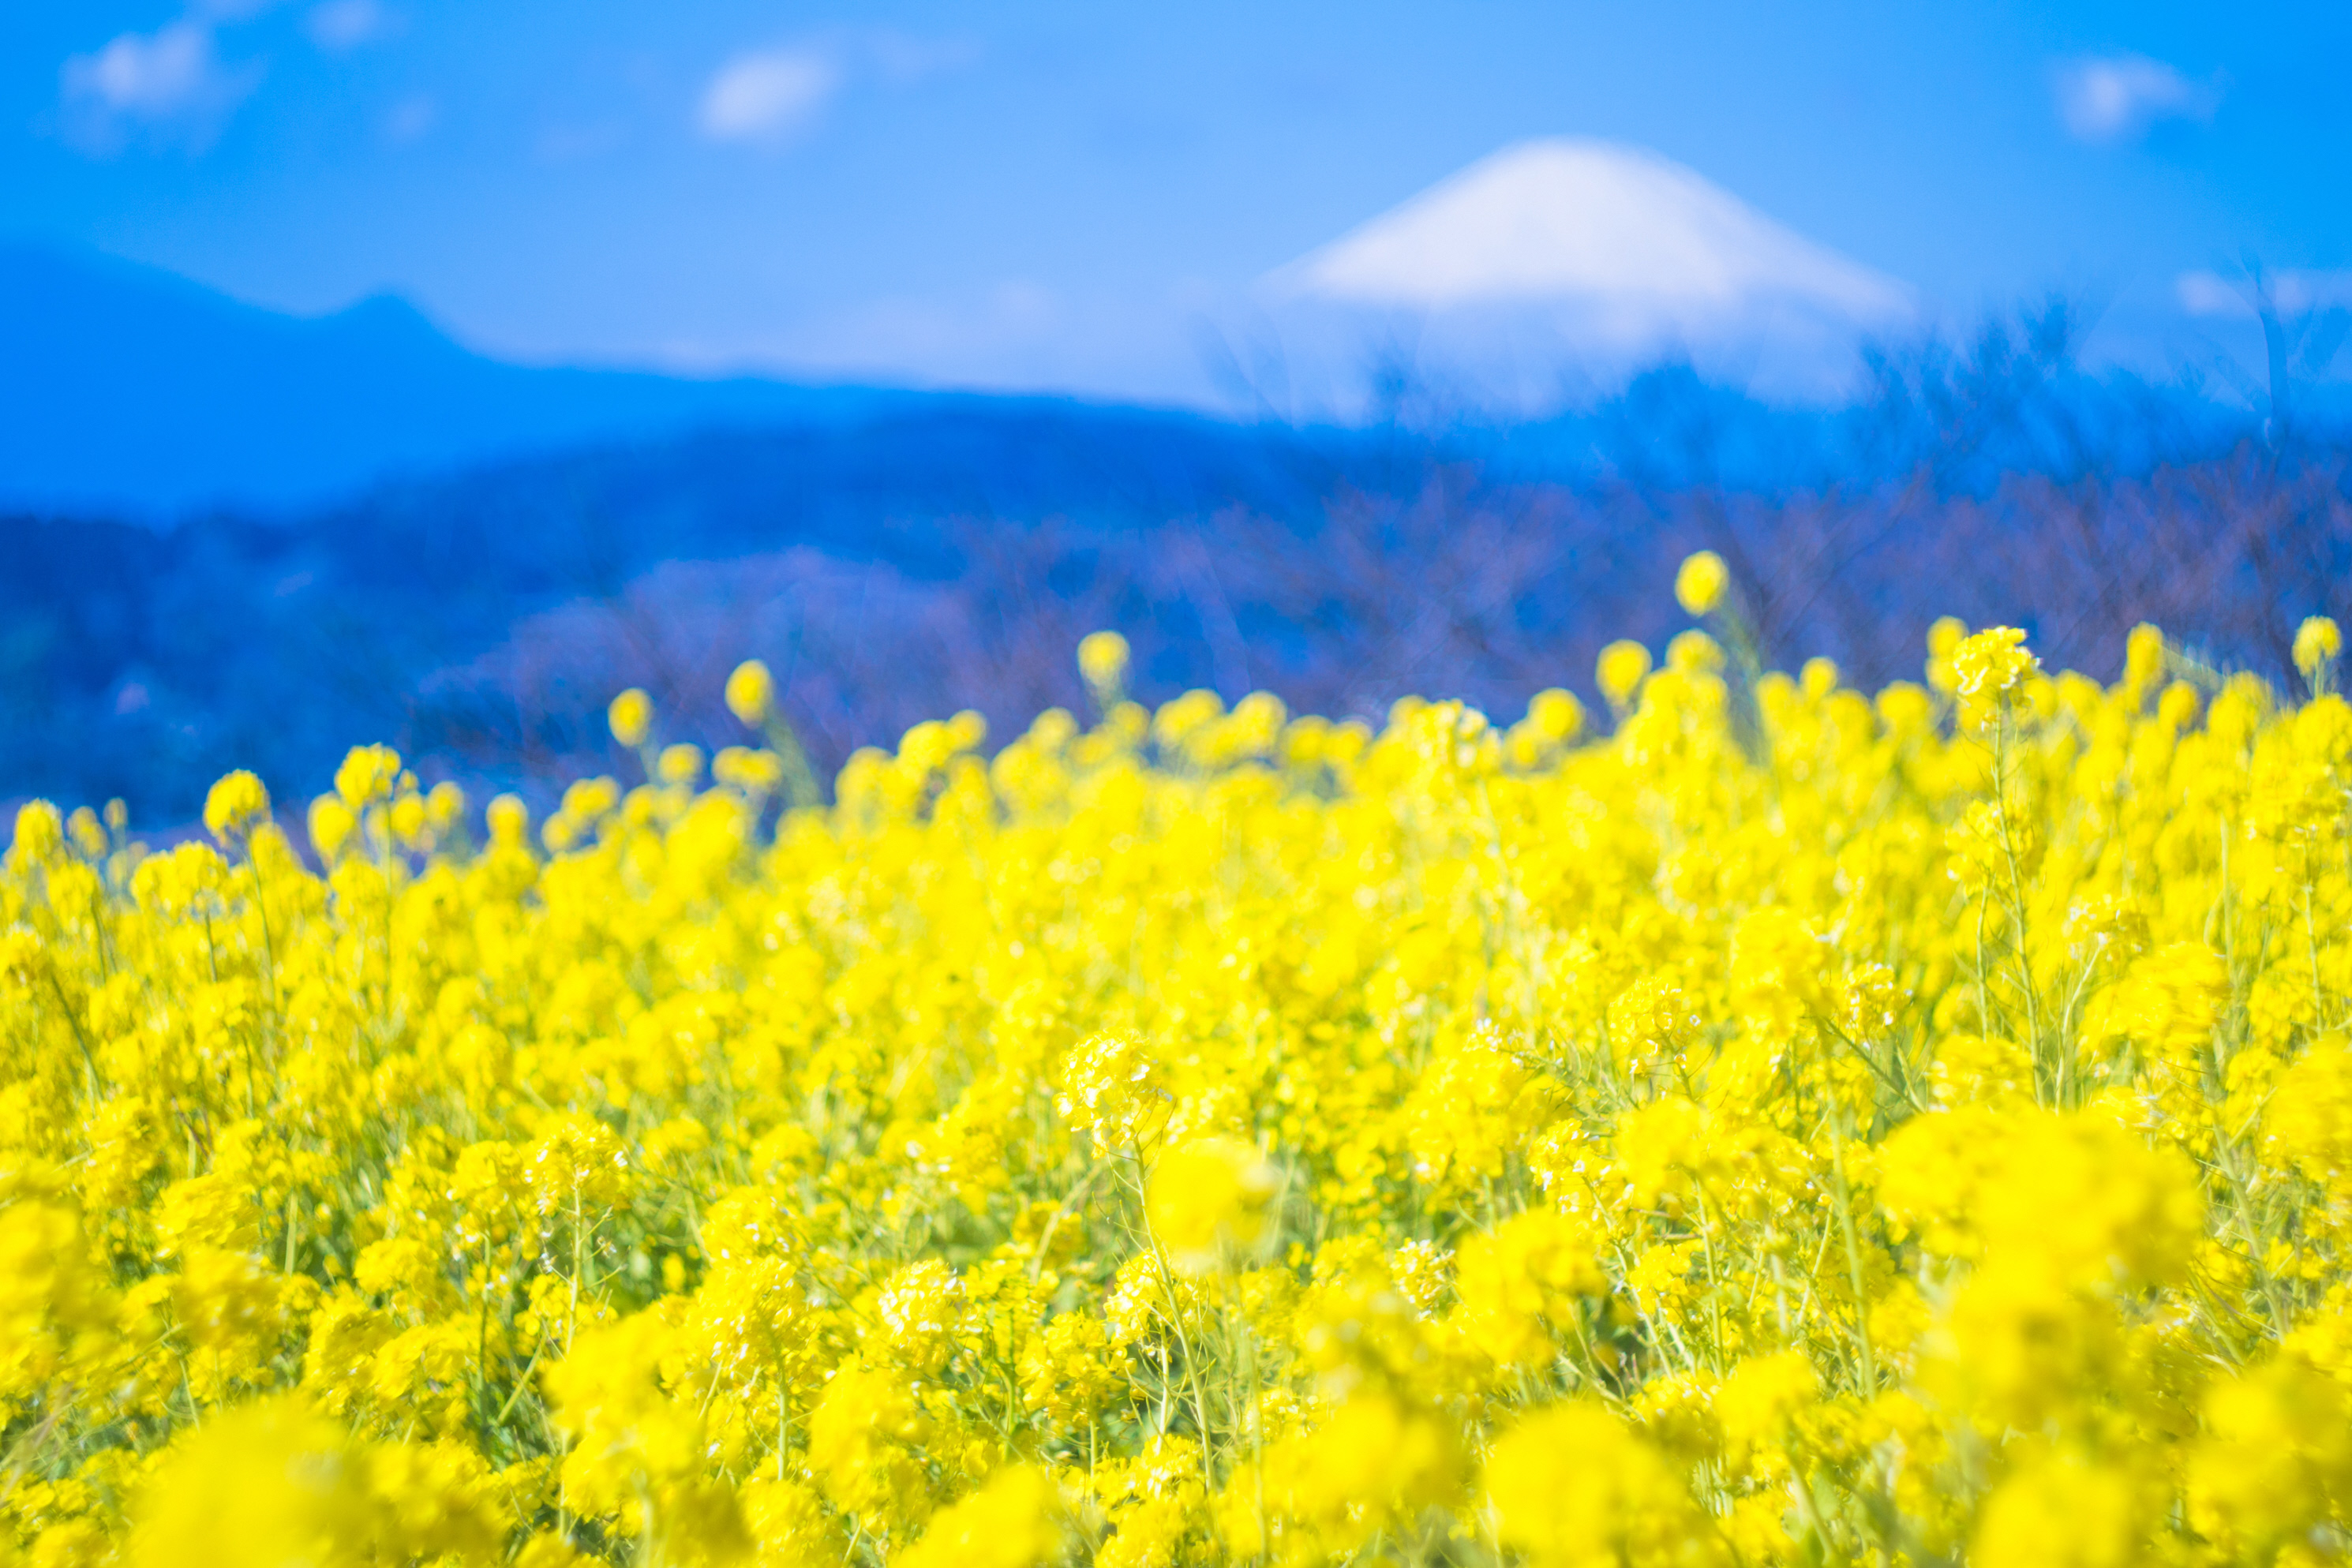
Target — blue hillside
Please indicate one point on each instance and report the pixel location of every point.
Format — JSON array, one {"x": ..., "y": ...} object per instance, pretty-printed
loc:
[{"x": 125, "y": 389}]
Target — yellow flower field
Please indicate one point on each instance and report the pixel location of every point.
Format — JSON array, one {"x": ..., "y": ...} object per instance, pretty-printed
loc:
[{"x": 1766, "y": 1124}]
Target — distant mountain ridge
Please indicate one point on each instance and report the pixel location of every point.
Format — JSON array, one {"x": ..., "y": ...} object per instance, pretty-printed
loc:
[
  {"x": 127, "y": 391},
  {"x": 132, "y": 393}
]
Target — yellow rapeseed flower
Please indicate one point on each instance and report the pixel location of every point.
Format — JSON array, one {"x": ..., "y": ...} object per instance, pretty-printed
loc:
[
  {"x": 1015, "y": 1521},
  {"x": 1102, "y": 660},
  {"x": 2318, "y": 642},
  {"x": 1209, "y": 1196},
  {"x": 1622, "y": 669},
  {"x": 1701, "y": 581},
  {"x": 234, "y": 806},
  {"x": 330, "y": 824},
  {"x": 1573, "y": 1487},
  {"x": 631, "y": 716},
  {"x": 752, "y": 693},
  {"x": 1987, "y": 668}
]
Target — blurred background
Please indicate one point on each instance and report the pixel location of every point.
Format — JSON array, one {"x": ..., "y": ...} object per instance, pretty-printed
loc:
[{"x": 426, "y": 372}]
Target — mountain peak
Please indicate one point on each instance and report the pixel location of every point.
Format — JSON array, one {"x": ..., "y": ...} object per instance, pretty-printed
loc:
[
  {"x": 1570, "y": 220},
  {"x": 130, "y": 391}
]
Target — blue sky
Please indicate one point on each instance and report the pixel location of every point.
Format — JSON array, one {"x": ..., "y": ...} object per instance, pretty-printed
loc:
[{"x": 1065, "y": 195}]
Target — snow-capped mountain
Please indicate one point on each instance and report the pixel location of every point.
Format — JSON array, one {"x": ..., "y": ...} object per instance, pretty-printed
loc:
[{"x": 1593, "y": 254}]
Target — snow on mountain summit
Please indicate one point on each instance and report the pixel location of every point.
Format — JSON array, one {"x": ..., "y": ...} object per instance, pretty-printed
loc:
[{"x": 1577, "y": 221}]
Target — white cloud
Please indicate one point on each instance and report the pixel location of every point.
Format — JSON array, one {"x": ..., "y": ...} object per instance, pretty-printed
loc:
[
  {"x": 170, "y": 84},
  {"x": 765, "y": 97},
  {"x": 2117, "y": 98},
  {"x": 2291, "y": 293},
  {"x": 338, "y": 26}
]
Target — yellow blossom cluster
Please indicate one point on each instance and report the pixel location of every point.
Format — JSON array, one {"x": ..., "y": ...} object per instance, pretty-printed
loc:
[{"x": 1792, "y": 1126}]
